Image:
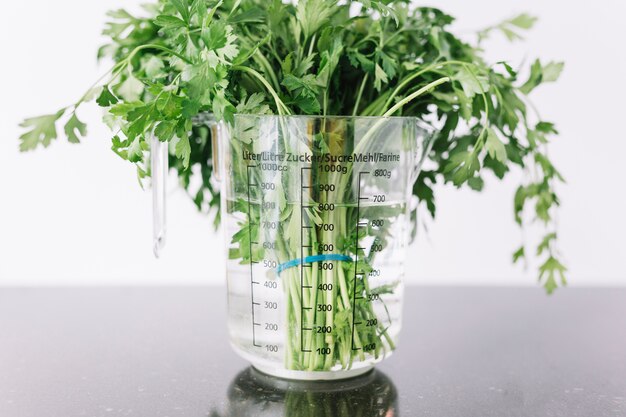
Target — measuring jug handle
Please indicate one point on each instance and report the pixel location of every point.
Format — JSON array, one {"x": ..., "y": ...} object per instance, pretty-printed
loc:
[
  {"x": 218, "y": 129},
  {"x": 159, "y": 168}
]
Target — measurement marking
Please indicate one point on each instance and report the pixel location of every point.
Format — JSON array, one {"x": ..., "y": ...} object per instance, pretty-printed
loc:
[
  {"x": 307, "y": 308},
  {"x": 361, "y": 248},
  {"x": 306, "y": 350},
  {"x": 361, "y": 224},
  {"x": 359, "y": 298},
  {"x": 255, "y": 243},
  {"x": 307, "y": 246},
  {"x": 256, "y": 304},
  {"x": 255, "y": 282},
  {"x": 358, "y": 322},
  {"x": 308, "y": 286},
  {"x": 356, "y": 254},
  {"x": 254, "y": 262},
  {"x": 303, "y": 206},
  {"x": 252, "y": 185},
  {"x": 307, "y": 265},
  {"x": 302, "y": 308},
  {"x": 257, "y": 324},
  {"x": 251, "y": 262},
  {"x": 307, "y": 328},
  {"x": 308, "y": 227},
  {"x": 363, "y": 198}
]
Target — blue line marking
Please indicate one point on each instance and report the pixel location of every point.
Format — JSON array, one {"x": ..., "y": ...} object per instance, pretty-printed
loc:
[{"x": 313, "y": 258}]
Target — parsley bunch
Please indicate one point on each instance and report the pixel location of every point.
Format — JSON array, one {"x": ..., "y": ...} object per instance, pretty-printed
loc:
[{"x": 183, "y": 58}]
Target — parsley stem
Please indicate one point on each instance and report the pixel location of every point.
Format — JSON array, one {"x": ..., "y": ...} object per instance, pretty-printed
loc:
[
  {"x": 311, "y": 45},
  {"x": 268, "y": 68},
  {"x": 416, "y": 94},
  {"x": 481, "y": 137},
  {"x": 155, "y": 46},
  {"x": 416, "y": 74},
  {"x": 358, "y": 97}
]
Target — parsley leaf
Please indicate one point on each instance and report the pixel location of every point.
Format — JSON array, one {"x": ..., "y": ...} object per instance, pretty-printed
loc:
[
  {"x": 183, "y": 150},
  {"x": 42, "y": 131},
  {"x": 73, "y": 126}
]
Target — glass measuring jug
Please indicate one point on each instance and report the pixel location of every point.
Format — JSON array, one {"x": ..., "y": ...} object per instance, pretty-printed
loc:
[{"x": 316, "y": 220}]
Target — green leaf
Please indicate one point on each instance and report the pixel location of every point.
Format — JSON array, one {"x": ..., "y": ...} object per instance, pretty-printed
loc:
[
  {"x": 215, "y": 35},
  {"x": 552, "y": 71},
  {"x": 190, "y": 108},
  {"x": 546, "y": 199},
  {"x": 329, "y": 61},
  {"x": 287, "y": 64},
  {"x": 523, "y": 21},
  {"x": 313, "y": 14},
  {"x": 494, "y": 146},
  {"x": 73, "y": 126},
  {"x": 183, "y": 150},
  {"x": 383, "y": 7},
  {"x": 169, "y": 104},
  {"x": 550, "y": 271},
  {"x": 169, "y": 22},
  {"x": 106, "y": 97},
  {"x": 498, "y": 168},
  {"x": 509, "y": 27},
  {"x": 140, "y": 120},
  {"x": 222, "y": 108},
  {"x": 476, "y": 183},
  {"x": 549, "y": 171},
  {"x": 153, "y": 67},
  {"x": 253, "y": 105},
  {"x": 546, "y": 127},
  {"x": 252, "y": 15},
  {"x": 471, "y": 83},
  {"x": 519, "y": 254},
  {"x": 545, "y": 243},
  {"x": 308, "y": 83},
  {"x": 541, "y": 74},
  {"x": 42, "y": 131},
  {"x": 462, "y": 166},
  {"x": 357, "y": 60},
  {"x": 182, "y": 7},
  {"x": 512, "y": 73},
  {"x": 510, "y": 34},
  {"x": 308, "y": 104},
  {"x": 165, "y": 130},
  {"x": 380, "y": 77},
  {"x": 135, "y": 151},
  {"x": 534, "y": 79},
  {"x": 389, "y": 65},
  {"x": 131, "y": 88}
]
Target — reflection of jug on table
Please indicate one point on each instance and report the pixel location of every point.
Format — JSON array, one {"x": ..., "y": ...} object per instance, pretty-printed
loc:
[
  {"x": 316, "y": 216},
  {"x": 255, "y": 394}
]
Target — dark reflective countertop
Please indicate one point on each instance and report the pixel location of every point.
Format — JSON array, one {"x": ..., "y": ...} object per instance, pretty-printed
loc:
[{"x": 163, "y": 352}]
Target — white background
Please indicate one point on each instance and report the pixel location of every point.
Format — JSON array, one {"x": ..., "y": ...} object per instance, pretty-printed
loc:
[{"x": 75, "y": 214}]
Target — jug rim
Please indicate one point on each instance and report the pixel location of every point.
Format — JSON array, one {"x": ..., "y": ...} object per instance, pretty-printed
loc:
[
  {"x": 328, "y": 116},
  {"x": 211, "y": 117}
]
